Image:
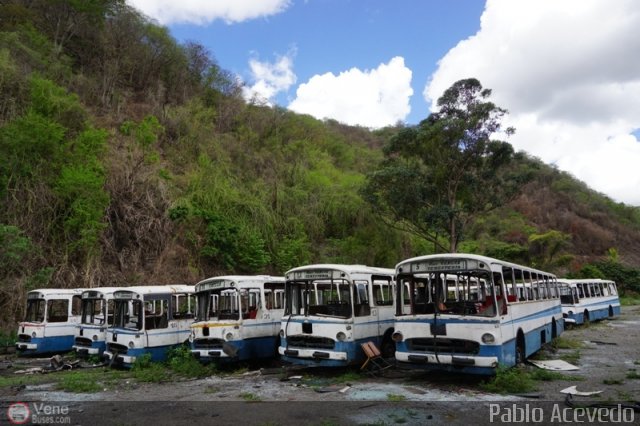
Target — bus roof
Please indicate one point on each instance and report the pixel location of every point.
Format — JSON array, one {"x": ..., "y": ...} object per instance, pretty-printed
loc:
[
  {"x": 573, "y": 281},
  {"x": 158, "y": 289},
  {"x": 95, "y": 292},
  {"x": 345, "y": 269},
  {"x": 46, "y": 292},
  {"x": 240, "y": 280},
  {"x": 466, "y": 256}
]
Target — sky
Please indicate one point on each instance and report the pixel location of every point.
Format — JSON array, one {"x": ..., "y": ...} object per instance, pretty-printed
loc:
[{"x": 568, "y": 71}]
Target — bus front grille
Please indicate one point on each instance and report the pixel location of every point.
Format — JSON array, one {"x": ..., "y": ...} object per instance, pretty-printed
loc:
[
  {"x": 301, "y": 341},
  {"x": 443, "y": 345},
  {"x": 208, "y": 344},
  {"x": 83, "y": 341},
  {"x": 24, "y": 338},
  {"x": 115, "y": 347}
]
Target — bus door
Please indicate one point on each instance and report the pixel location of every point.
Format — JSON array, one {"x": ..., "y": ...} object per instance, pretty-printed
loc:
[
  {"x": 365, "y": 317},
  {"x": 382, "y": 310}
]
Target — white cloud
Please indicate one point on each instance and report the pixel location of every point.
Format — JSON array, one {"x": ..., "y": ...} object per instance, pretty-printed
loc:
[
  {"x": 270, "y": 79},
  {"x": 371, "y": 98},
  {"x": 201, "y": 12},
  {"x": 569, "y": 74}
]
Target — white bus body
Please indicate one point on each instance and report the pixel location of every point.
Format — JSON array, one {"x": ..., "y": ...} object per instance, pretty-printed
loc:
[
  {"x": 470, "y": 313},
  {"x": 331, "y": 309},
  {"x": 96, "y": 317},
  {"x": 149, "y": 320},
  {"x": 50, "y": 322},
  {"x": 588, "y": 299},
  {"x": 238, "y": 318}
]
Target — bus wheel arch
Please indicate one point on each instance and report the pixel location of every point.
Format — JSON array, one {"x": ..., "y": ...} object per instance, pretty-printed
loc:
[
  {"x": 520, "y": 348},
  {"x": 388, "y": 346},
  {"x": 586, "y": 319},
  {"x": 610, "y": 311},
  {"x": 554, "y": 328}
]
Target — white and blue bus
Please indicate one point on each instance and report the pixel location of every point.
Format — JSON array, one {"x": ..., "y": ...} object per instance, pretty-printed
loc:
[
  {"x": 50, "y": 323},
  {"x": 470, "y": 313},
  {"x": 330, "y": 310},
  {"x": 238, "y": 318},
  {"x": 96, "y": 316},
  {"x": 149, "y": 320},
  {"x": 585, "y": 300}
]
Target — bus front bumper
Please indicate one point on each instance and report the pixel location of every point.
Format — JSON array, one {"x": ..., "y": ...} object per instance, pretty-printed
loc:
[
  {"x": 314, "y": 354},
  {"x": 86, "y": 350},
  {"x": 447, "y": 359},
  {"x": 21, "y": 346},
  {"x": 119, "y": 358}
]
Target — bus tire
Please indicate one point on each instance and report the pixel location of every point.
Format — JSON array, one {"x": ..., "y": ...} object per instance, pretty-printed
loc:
[
  {"x": 520, "y": 349},
  {"x": 554, "y": 328},
  {"x": 586, "y": 319}
]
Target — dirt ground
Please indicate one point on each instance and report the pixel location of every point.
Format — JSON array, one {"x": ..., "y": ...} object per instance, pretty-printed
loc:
[{"x": 608, "y": 354}]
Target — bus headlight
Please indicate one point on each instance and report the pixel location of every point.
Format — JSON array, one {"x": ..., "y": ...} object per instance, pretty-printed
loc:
[
  {"x": 228, "y": 336},
  {"x": 488, "y": 338},
  {"x": 131, "y": 345},
  {"x": 33, "y": 335},
  {"x": 95, "y": 338},
  {"x": 397, "y": 336},
  {"x": 341, "y": 336}
]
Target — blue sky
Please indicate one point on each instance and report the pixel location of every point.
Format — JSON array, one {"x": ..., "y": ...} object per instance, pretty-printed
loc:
[
  {"x": 327, "y": 36},
  {"x": 568, "y": 71}
]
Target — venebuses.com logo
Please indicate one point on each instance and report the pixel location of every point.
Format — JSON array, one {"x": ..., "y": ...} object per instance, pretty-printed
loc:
[{"x": 18, "y": 413}]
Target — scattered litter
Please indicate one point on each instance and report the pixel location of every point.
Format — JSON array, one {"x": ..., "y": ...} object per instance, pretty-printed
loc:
[
  {"x": 573, "y": 391},
  {"x": 294, "y": 377},
  {"x": 5, "y": 365},
  {"x": 32, "y": 370},
  {"x": 599, "y": 342},
  {"x": 554, "y": 364},
  {"x": 344, "y": 389},
  {"x": 332, "y": 388}
]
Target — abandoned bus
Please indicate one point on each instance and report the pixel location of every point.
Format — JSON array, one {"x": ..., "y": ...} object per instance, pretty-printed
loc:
[
  {"x": 149, "y": 320},
  {"x": 50, "y": 322},
  {"x": 96, "y": 315},
  {"x": 470, "y": 313},
  {"x": 331, "y": 309},
  {"x": 238, "y": 318},
  {"x": 585, "y": 300}
]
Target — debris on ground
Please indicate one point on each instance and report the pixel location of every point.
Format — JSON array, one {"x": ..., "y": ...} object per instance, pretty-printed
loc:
[
  {"x": 554, "y": 364},
  {"x": 572, "y": 390}
]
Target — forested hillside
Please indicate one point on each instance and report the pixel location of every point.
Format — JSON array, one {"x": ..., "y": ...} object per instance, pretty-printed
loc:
[{"x": 127, "y": 158}]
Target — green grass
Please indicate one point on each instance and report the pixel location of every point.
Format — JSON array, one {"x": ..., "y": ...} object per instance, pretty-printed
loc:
[
  {"x": 144, "y": 370},
  {"x": 542, "y": 375},
  {"x": 78, "y": 382},
  {"x": 571, "y": 357},
  {"x": 347, "y": 377},
  {"x": 510, "y": 381},
  {"x": 612, "y": 381},
  {"x": 183, "y": 363},
  {"x": 566, "y": 343},
  {"x": 629, "y": 300},
  {"x": 249, "y": 397},
  {"x": 395, "y": 398},
  {"x": 633, "y": 374}
]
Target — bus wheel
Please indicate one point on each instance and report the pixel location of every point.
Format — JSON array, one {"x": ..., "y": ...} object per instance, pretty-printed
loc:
[
  {"x": 586, "y": 319},
  {"x": 520, "y": 350},
  {"x": 610, "y": 311}
]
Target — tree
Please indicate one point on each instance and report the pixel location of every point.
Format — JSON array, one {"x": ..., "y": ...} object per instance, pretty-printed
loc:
[{"x": 439, "y": 175}]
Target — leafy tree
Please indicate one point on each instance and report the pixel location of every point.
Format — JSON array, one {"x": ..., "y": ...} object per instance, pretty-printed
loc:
[{"x": 446, "y": 171}]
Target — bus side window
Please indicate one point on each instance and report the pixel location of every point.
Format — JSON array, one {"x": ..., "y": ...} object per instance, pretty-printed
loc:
[
  {"x": 58, "y": 310},
  {"x": 362, "y": 307},
  {"x": 76, "y": 305}
]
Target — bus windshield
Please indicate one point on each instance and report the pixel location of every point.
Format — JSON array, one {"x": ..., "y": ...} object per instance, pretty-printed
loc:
[
  {"x": 465, "y": 293},
  {"x": 94, "y": 311},
  {"x": 324, "y": 298},
  {"x": 228, "y": 304},
  {"x": 35, "y": 310},
  {"x": 128, "y": 314}
]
